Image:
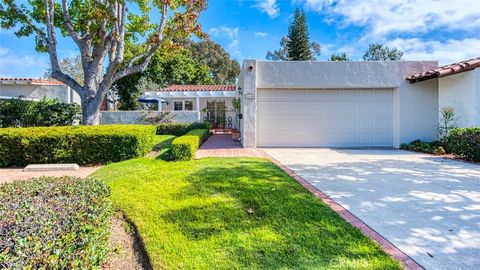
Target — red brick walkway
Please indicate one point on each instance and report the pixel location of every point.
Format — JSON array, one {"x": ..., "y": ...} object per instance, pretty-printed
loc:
[{"x": 224, "y": 146}]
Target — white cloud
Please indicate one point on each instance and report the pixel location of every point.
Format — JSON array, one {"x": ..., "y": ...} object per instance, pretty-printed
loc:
[
  {"x": 268, "y": 6},
  {"x": 447, "y": 52},
  {"x": 260, "y": 34},
  {"x": 16, "y": 64},
  {"x": 230, "y": 34},
  {"x": 383, "y": 17}
]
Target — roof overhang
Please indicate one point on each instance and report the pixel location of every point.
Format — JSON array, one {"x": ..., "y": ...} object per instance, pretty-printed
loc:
[
  {"x": 445, "y": 71},
  {"x": 189, "y": 94}
]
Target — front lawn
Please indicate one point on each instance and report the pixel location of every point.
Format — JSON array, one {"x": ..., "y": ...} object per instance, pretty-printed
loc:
[{"x": 231, "y": 213}]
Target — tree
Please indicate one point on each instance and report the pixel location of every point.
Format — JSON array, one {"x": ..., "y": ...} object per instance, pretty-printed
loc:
[
  {"x": 296, "y": 45},
  {"x": 378, "y": 52},
  {"x": 166, "y": 68},
  {"x": 72, "y": 66},
  {"x": 223, "y": 69},
  {"x": 102, "y": 30},
  {"x": 339, "y": 57}
]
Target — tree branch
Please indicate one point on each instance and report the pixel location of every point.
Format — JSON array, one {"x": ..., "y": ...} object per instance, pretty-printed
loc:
[
  {"x": 131, "y": 69},
  {"x": 52, "y": 49}
]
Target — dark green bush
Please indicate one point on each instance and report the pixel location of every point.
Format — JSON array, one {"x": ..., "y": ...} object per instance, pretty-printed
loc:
[
  {"x": 179, "y": 129},
  {"x": 54, "y": 223},
  {"x": 465, "y": 143},
  {"x": 46, "y": 112},
  {"x": 185, "y": 147},
  {"x": 435, "y": 147},
  {"x": 74, "y": 144}
]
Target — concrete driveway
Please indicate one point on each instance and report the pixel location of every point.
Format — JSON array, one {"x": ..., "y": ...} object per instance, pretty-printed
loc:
[{"x": 428, "y": 207}]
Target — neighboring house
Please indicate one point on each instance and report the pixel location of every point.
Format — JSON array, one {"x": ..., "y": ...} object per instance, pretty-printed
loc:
[
  {"x": 458, "y": 87},
  {"x": 36, "y": 89},
  {"x": 190, "y": 103},
  {"x": 352, "y": 104}
]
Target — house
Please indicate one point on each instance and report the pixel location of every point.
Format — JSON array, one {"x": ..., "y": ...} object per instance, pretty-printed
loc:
[
  {"x": 190, "y": 103},
  {"x": 36, "y": 89},
  {"x": 352, "y": 104},
  {"x": 458, "y": 87}
]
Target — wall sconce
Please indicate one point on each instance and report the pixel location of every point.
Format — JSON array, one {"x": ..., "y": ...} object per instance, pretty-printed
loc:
[{"x": 239, "y": 90}]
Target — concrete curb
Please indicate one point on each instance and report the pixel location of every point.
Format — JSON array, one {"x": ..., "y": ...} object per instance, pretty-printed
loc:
[{"x": 387, "y": 246}]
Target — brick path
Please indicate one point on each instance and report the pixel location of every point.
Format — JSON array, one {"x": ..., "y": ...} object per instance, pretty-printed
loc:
[
  {"x": 224, "y": 146},
  {"x": 8, "y": 175}
]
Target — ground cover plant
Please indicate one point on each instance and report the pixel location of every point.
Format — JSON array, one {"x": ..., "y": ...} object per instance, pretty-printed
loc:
[
  {"x": 54, "y": 223},
  {"x": 234, "y": 213},
  {"x": 74, "y": 144}
]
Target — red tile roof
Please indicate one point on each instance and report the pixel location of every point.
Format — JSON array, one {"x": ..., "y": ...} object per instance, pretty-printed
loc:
[
  {"x": 446, "y": 70},
  {"x": 32, "y": 81},
  {"x": 181, "y": 88}
]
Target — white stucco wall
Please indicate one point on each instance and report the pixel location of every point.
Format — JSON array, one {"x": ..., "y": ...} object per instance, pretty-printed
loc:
[
  {"x": 36, "y": 92},
  {"x": 415, "y": 105},
  {"x": 462, "y": 92}
]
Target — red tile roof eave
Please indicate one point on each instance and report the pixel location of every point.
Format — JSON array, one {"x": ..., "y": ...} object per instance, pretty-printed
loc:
[
  {"x": 34, "y": 81},
  {"x": 195, "y": 88},
  {"x": 446, "y": 70}
]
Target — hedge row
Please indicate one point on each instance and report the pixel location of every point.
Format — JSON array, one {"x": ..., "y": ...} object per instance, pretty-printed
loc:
[
  {"x": 179, "y": 129},
  {"x": 54, "y": 223},
  {"x": 74, "y": 144},
  {"x": 185, "y": 147},
  {"x": 465, "y": 143}
]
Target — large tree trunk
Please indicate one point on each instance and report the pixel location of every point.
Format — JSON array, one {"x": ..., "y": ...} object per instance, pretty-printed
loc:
[
  {"x": 91, "y": 108},
  {"x": 90, "y": 113}
]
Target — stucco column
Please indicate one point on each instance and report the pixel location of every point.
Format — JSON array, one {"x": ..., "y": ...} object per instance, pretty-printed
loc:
[
  {"x": 159, "y": 104},
  {"x": 197, "y": 103},
  {"x": 249, "y": 103}
]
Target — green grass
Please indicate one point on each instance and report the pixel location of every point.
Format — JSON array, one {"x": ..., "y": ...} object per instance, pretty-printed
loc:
[{"x": 194, "y": 215}]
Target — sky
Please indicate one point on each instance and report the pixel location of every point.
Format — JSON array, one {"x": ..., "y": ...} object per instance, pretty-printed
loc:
[{"x": 444, "y": 30}]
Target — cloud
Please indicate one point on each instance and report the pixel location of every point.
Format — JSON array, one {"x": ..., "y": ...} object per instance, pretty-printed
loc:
[
  {"x": 382, "y": 17},
  {"x": 231, "y": 35},
  {"x": 452, "y": 50},
  {"x": 268, "y": 6},
  {"x": 260, "y": 34},
  {"x": 15, "y": 64}
]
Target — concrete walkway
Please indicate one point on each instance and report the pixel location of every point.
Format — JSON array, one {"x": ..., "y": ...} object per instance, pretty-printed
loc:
[
  {"x": 224, "y": 146},
  {"x": 428, "y": 207},
  {"x": 8, "y": 175}
]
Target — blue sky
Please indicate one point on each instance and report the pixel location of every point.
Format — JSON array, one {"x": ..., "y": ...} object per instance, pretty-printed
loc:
[{"x": 443, "y": 30}]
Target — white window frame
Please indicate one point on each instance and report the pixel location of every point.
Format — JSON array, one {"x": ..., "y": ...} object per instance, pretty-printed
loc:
[{"x": 182, "y": 105}]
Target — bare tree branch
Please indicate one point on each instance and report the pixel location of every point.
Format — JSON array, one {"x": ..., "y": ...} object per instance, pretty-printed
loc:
[
  {"x": 150, "y": 49},
  {"x": 52, "y": 49}
]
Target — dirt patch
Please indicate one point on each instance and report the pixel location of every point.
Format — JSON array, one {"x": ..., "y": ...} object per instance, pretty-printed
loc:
[{"x": 126, "y": 248}]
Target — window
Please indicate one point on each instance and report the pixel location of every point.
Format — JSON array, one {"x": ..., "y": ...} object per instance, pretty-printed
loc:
[
  {"x": 188, "y": 105},
  {"x": 178, "y": 106}
]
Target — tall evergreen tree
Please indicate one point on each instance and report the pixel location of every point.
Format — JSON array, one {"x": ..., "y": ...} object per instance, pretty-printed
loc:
[{"x": 299, "y": 47}]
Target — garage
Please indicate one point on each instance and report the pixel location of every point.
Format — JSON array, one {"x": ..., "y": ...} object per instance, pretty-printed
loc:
[{"x": 360, "y": 117}]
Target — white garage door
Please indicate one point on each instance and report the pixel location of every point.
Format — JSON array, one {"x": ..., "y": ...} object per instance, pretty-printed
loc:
[{"x": 325, "y": 117}]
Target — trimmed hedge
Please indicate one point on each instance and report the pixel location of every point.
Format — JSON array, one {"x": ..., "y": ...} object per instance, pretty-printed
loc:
[
  {"x": 185, "y": 147},
  {"x": 74, "y": 144},
  {"x": 54, "y": 223},
  {"x": 465, "y": 143},
  {"x": 179, "y": 129}
]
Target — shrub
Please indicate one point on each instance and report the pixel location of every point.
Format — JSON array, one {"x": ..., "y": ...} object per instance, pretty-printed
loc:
[
  {"x": 465, "y": 143},
  {"x": 179, "y": 129},
  {"x": 54, "y": 223},
  {"x": 434, "y": 147},
  {"x": 74, "y": 144},
  {"x": 46, "y": 112},
  {"x": 185, "y": 147}
]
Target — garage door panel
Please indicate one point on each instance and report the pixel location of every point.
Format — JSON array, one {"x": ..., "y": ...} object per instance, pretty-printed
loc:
[{"x": 325, "y": 117}]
